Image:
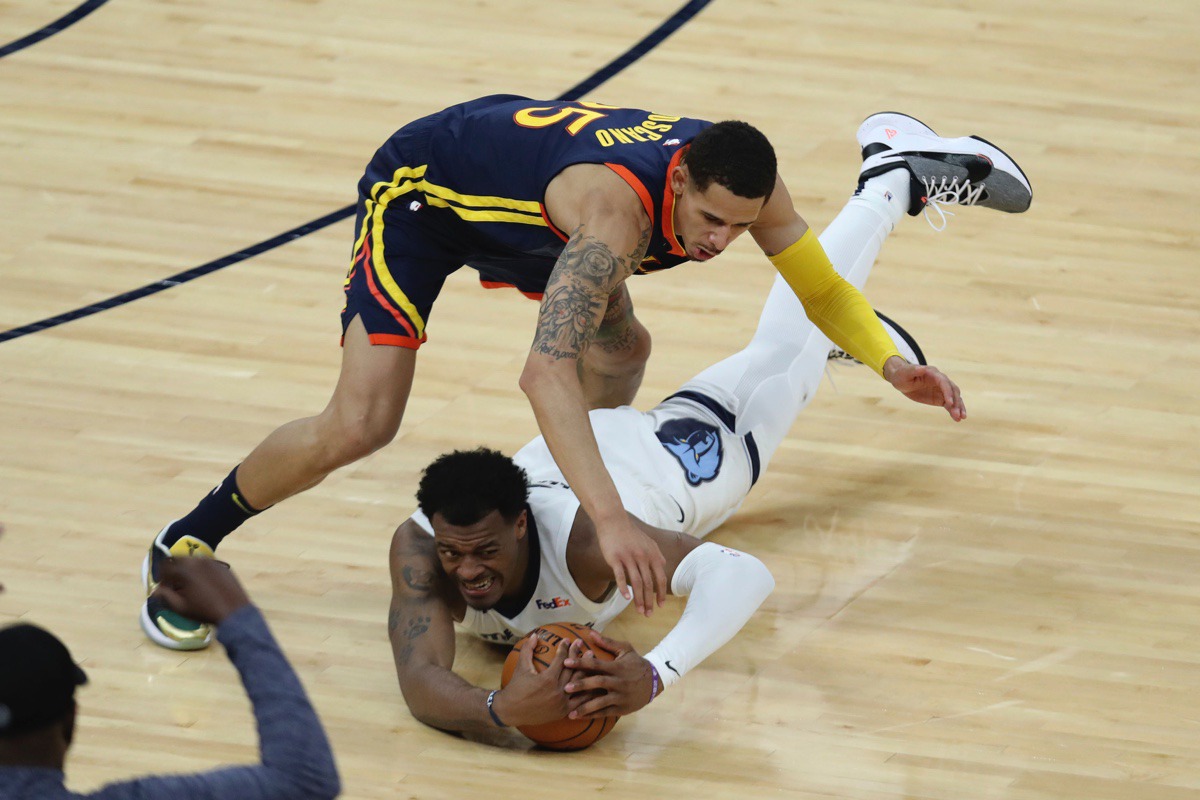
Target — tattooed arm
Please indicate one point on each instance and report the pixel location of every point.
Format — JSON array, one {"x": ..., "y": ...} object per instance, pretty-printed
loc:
[
  {"x": 610, "y": 232},
  {"x": 612, "y": 367},
  {"x": 421, "y": 628}
]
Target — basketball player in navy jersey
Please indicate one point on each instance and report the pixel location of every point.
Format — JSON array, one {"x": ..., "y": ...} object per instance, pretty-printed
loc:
[
  {"x": 501, "y": 546},
  {"x": 564, "y": 201}
]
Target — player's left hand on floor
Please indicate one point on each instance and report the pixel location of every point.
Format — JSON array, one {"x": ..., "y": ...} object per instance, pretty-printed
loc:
[{"x": 608, "y": 688}]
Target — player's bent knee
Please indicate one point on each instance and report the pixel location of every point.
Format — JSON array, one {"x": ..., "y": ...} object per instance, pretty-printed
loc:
[
  {"x": 350, "y": 437},
  {"x": 369, "y": 435}
]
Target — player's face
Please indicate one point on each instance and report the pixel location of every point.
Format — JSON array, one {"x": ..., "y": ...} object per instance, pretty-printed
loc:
[
  {"x": 483, "y": 559},
  {"x": 706, "y": 222}
]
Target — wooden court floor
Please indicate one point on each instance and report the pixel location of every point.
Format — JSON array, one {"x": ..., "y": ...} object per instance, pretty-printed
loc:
[{"x": 1006, "y": 608}]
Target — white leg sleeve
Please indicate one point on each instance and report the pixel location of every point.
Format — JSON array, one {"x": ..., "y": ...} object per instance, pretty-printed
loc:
[
  {"x": 726, "y": 587},
  {"x": 775, "y": 376}
]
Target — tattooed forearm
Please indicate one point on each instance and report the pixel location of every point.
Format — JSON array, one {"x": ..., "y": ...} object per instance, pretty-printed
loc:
[
  {"x": 568, "y": 320},
  {"x": 575, "y": 294},
  {"x": 617, "y": 332}
]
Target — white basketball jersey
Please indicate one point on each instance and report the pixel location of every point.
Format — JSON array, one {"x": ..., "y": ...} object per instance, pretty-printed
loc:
[
  {"x": 677, "y": 467},
  {"x": 556, "y": 598}
]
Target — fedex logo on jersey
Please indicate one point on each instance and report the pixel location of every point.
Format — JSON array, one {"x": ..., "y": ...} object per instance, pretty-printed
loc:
[{"x": 552, "y": 603}]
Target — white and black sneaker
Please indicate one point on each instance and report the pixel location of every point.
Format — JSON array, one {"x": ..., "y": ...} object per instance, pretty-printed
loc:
[
  {"x": 910, "y": 351},
  {"x": 967, "y": 171}
]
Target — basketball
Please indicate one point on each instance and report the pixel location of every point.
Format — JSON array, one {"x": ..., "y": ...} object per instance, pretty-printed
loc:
[{"x": 566, "y": 733}]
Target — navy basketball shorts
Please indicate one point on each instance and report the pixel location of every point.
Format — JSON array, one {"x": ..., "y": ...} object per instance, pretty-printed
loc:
[{"x": 403, "y": 252}]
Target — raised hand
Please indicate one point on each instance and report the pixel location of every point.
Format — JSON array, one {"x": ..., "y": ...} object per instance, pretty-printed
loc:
[{"x": 925, "y": 384}]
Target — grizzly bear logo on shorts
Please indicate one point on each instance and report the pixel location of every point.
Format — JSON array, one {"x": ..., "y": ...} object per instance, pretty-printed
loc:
[{"x": 696, "y": 445}]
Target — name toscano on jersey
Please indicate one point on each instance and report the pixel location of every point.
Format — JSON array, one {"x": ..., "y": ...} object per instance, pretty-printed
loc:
[{"x": 652, "y": 129}]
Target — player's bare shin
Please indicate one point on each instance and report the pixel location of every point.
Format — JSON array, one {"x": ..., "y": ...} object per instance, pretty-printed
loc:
[{"x": 362, "y": 416}]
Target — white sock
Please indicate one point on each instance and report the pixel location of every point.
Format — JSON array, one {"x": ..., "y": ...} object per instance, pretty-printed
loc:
[{"x": 890, "y": 191}]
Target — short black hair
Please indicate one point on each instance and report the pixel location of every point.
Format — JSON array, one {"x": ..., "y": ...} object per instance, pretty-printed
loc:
[
  {"x": 467, "y": 485},
  {"x": 736, "y": 155}
]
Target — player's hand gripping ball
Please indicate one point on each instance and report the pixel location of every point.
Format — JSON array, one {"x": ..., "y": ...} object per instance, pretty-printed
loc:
[{"x": 567, "y": 733}]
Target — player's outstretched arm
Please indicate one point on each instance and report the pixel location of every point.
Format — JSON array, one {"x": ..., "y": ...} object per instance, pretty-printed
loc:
[
  {"x": 610, "y": 232},
  {"x": 832, "y": 303},
  {"x": 839, "y": 309},
  {"x": 778, "y": 226},
  {"x": 725, "y": 586},
  {"x": 421, "y": 629}
]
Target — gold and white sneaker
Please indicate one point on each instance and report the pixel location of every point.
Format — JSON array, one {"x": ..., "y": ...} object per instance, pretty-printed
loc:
[{"x": 164, "y": 627}]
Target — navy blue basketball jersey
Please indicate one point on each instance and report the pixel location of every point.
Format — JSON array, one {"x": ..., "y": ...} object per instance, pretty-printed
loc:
[{"x": 488, "y": 162}]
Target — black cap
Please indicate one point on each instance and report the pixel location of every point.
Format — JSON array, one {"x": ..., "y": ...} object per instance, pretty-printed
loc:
[{"x": 37, "y": 679}]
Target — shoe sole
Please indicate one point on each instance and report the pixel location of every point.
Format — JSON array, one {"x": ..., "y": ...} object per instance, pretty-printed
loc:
[
  {"x": 146, "y": 561},
  {"x": 898, "y": 120},
  {"x": 891, "y": 327},
  {"x": 906, "y": 336},
  {"x": 1007, "y": 161},
  {"x": 162, "y": 640}
]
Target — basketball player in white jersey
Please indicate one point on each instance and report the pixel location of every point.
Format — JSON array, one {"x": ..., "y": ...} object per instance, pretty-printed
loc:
[{"x": 502, "y": 545}]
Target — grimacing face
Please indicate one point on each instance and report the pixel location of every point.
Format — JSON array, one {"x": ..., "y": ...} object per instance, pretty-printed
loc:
[
  {"x": 483, "y": 558},
  {"x": 706, "y": 222}
]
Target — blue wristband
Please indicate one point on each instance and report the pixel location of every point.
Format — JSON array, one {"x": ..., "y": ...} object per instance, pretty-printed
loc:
[
  {"x": 492, "y": 712},
  {"x": 655, "y": 683}
]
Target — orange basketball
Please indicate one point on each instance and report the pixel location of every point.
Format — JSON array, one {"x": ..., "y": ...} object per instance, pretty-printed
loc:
[{"x": 566, "y": 734}]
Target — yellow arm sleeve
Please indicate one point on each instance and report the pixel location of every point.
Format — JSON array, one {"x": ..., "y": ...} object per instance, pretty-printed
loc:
[{"x": 833, "y": 304}]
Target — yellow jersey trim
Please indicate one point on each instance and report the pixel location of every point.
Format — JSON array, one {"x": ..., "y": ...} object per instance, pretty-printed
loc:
[{"x": 470, "y": 207}]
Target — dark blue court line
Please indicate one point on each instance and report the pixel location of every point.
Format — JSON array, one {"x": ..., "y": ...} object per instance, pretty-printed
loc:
[
  {"x": 181, "y": 277},
  {"x": 60, "y": 24},
  {"x": 653, "y": 40},
  {"x": 672, "y": 24}
]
